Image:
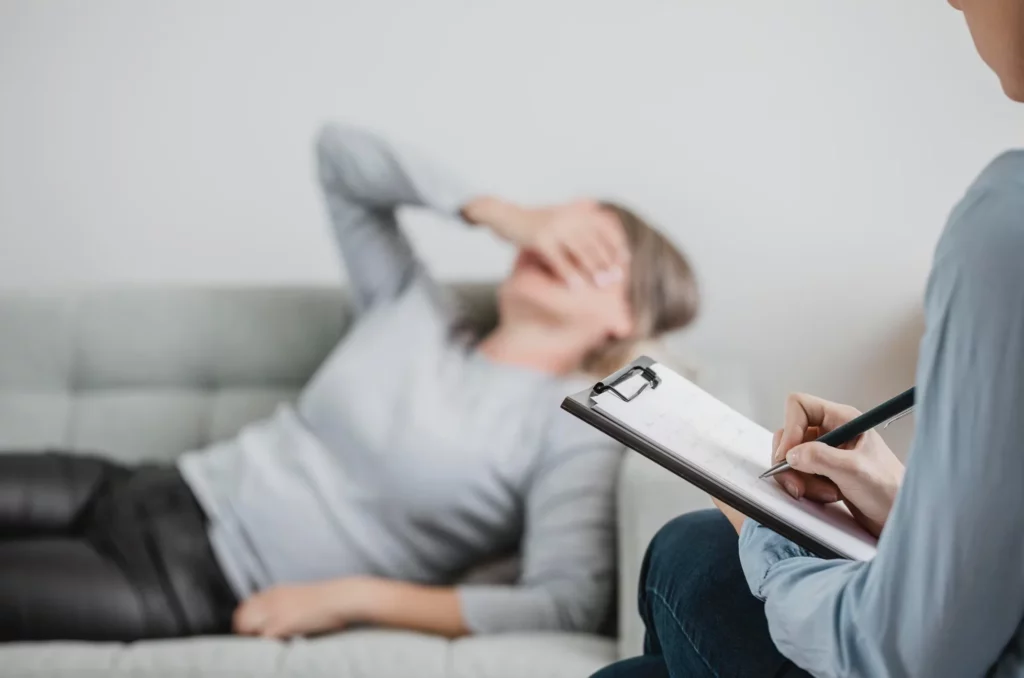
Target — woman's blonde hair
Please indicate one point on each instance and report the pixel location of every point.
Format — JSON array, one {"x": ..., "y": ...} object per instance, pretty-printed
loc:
[{"x": 662, "y": 291}]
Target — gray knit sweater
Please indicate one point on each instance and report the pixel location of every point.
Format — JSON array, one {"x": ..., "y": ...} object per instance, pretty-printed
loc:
[{"x": 409, "y": 455}]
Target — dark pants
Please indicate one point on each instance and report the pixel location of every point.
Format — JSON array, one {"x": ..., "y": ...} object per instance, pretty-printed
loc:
[
  {"x": 700, "y": 616},
  {"x": 90, "y": 550}
]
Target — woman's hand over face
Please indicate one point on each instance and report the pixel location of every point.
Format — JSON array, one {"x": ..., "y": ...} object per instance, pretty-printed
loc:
[{"x": 580, "y": 241}]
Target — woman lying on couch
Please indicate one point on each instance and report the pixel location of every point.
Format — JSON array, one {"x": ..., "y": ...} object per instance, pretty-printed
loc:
[{"x": 415, "y": 453}]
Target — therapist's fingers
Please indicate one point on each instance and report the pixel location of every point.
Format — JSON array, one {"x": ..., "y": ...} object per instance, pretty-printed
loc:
[
  {"x": 800, "y": 485},
  {"x": 791, "y": 481},
  {"x": 805, "y": 485},
  {"x": 821, "y": 490},
  {"x": 778, "y": 454},
  {"x": 796, "y": 420},
  {"x": 776, "y": 439},
  {"x": 840, "y": 466},
  {"x": 805, "y": 411}
]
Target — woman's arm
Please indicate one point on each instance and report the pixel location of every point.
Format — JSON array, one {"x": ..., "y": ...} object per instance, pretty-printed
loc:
[
  {"x": 566, "y": 583},
  {"x": 567, "y": 578},
  {"x": 944, "y": 596},
  {"x": 309, "y": 609},
  {"x": 568, "y": 549},
  {"x": 365, "y": 180}
]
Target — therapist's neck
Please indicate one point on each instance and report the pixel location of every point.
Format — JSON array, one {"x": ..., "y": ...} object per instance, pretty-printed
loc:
[{"x": 546, "y": 348}]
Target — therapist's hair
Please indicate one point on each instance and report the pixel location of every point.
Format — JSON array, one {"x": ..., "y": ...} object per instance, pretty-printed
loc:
[{"x": 662, "y": 290}]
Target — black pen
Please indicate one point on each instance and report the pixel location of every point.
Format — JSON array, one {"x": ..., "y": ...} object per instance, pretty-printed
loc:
[{"x": 889, "y": 410}]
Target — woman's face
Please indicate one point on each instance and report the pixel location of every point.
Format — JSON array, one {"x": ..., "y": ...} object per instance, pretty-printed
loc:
[
  {"x": 532, "y": 291},
  {"x": 997, "y": 27}
]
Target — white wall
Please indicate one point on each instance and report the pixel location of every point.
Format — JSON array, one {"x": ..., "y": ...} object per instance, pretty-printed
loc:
[{"x": 805, "y": 153}]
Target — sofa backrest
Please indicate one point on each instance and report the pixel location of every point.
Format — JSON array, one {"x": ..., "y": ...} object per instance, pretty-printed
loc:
[{"x": 144, "y": 374}]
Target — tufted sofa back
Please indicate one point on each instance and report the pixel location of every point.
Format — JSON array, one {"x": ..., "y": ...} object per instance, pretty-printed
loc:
[{"x": 144, "y": 374}]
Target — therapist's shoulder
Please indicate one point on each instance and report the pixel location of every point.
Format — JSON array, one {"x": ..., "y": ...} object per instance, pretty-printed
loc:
[{"x": 985, "y": 232}]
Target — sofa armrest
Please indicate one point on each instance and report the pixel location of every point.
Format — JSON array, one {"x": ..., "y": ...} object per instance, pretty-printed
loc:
[{"x": 649, "y": 496}]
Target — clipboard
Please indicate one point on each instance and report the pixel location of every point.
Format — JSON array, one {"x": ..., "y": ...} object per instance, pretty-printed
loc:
[{"x": 583, "y": 406}]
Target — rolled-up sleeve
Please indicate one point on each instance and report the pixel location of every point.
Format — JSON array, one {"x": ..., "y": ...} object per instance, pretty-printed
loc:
[{"x": 761, "y": 549}]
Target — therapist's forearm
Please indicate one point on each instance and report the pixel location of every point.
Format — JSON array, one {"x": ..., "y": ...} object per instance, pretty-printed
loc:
[{"x": 736, "y": 519}]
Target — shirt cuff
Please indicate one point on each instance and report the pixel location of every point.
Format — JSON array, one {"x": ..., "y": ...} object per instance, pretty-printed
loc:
[
  {"x": 501, "y": 609},
  {"x": 760, "y": 549}
]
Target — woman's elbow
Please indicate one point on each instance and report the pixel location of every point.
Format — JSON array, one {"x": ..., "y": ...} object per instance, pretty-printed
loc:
[{"x": 583, "y": 607}]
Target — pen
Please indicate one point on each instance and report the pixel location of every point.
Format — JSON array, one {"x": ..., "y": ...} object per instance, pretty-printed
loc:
[{"x": 888, "y": 411}]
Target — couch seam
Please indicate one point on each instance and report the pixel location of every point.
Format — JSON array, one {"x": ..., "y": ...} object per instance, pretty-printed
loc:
[
  {"x": 449, "y": 658},
  {"x": 75, "y": 368}
]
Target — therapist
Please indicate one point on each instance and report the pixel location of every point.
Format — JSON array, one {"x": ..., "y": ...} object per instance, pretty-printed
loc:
[{"x": 945, "y": 594}]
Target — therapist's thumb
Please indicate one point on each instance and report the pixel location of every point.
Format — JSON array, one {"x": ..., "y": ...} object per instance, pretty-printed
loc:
[{"x": 820, "y": 459}]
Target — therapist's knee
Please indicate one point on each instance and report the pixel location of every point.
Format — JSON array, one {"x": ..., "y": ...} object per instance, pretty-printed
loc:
[{"x": 688, "y": 553}]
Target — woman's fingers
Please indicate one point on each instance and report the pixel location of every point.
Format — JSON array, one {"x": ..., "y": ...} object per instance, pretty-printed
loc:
[
  {"x": 600, "y": 262},
  {"x": 276, "y": 633},
  {"x": 248, "y": 619},
  {"x": 611, "y": 237},
  {"x": 588, "y": 256},
  {"x": 556, "y": 257},
  {"x": 577, "y": 262},
  {"x": 583, "y": 240},
  {"x": 610, "y": 269},
  {"x": 598, "y": 239}
]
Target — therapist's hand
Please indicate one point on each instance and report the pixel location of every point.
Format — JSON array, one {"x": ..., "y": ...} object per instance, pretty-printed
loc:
[{"x": 864, "y": 473}]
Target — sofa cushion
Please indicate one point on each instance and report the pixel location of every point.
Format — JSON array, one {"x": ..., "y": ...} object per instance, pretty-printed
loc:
[
  {"x": 145, "y": 374},
  {"x": 531, "y": 655},
  {"x": 354, "y": 654}
]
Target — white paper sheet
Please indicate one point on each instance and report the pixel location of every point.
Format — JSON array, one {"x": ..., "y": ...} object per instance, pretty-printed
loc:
[{"x": 733, "y": 450}]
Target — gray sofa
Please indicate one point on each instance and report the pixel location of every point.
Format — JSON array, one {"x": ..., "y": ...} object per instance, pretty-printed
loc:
[{"x": 144, "y": 374}]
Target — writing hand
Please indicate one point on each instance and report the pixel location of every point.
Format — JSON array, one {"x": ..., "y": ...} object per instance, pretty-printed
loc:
[{"x": 864, "y": 473}]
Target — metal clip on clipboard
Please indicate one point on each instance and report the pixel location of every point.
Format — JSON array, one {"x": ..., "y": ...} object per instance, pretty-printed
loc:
[{"x": 650, "y": 380}]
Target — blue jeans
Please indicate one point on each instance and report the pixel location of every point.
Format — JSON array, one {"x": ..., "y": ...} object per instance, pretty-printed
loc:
[{"x": 700, "y": 617}]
